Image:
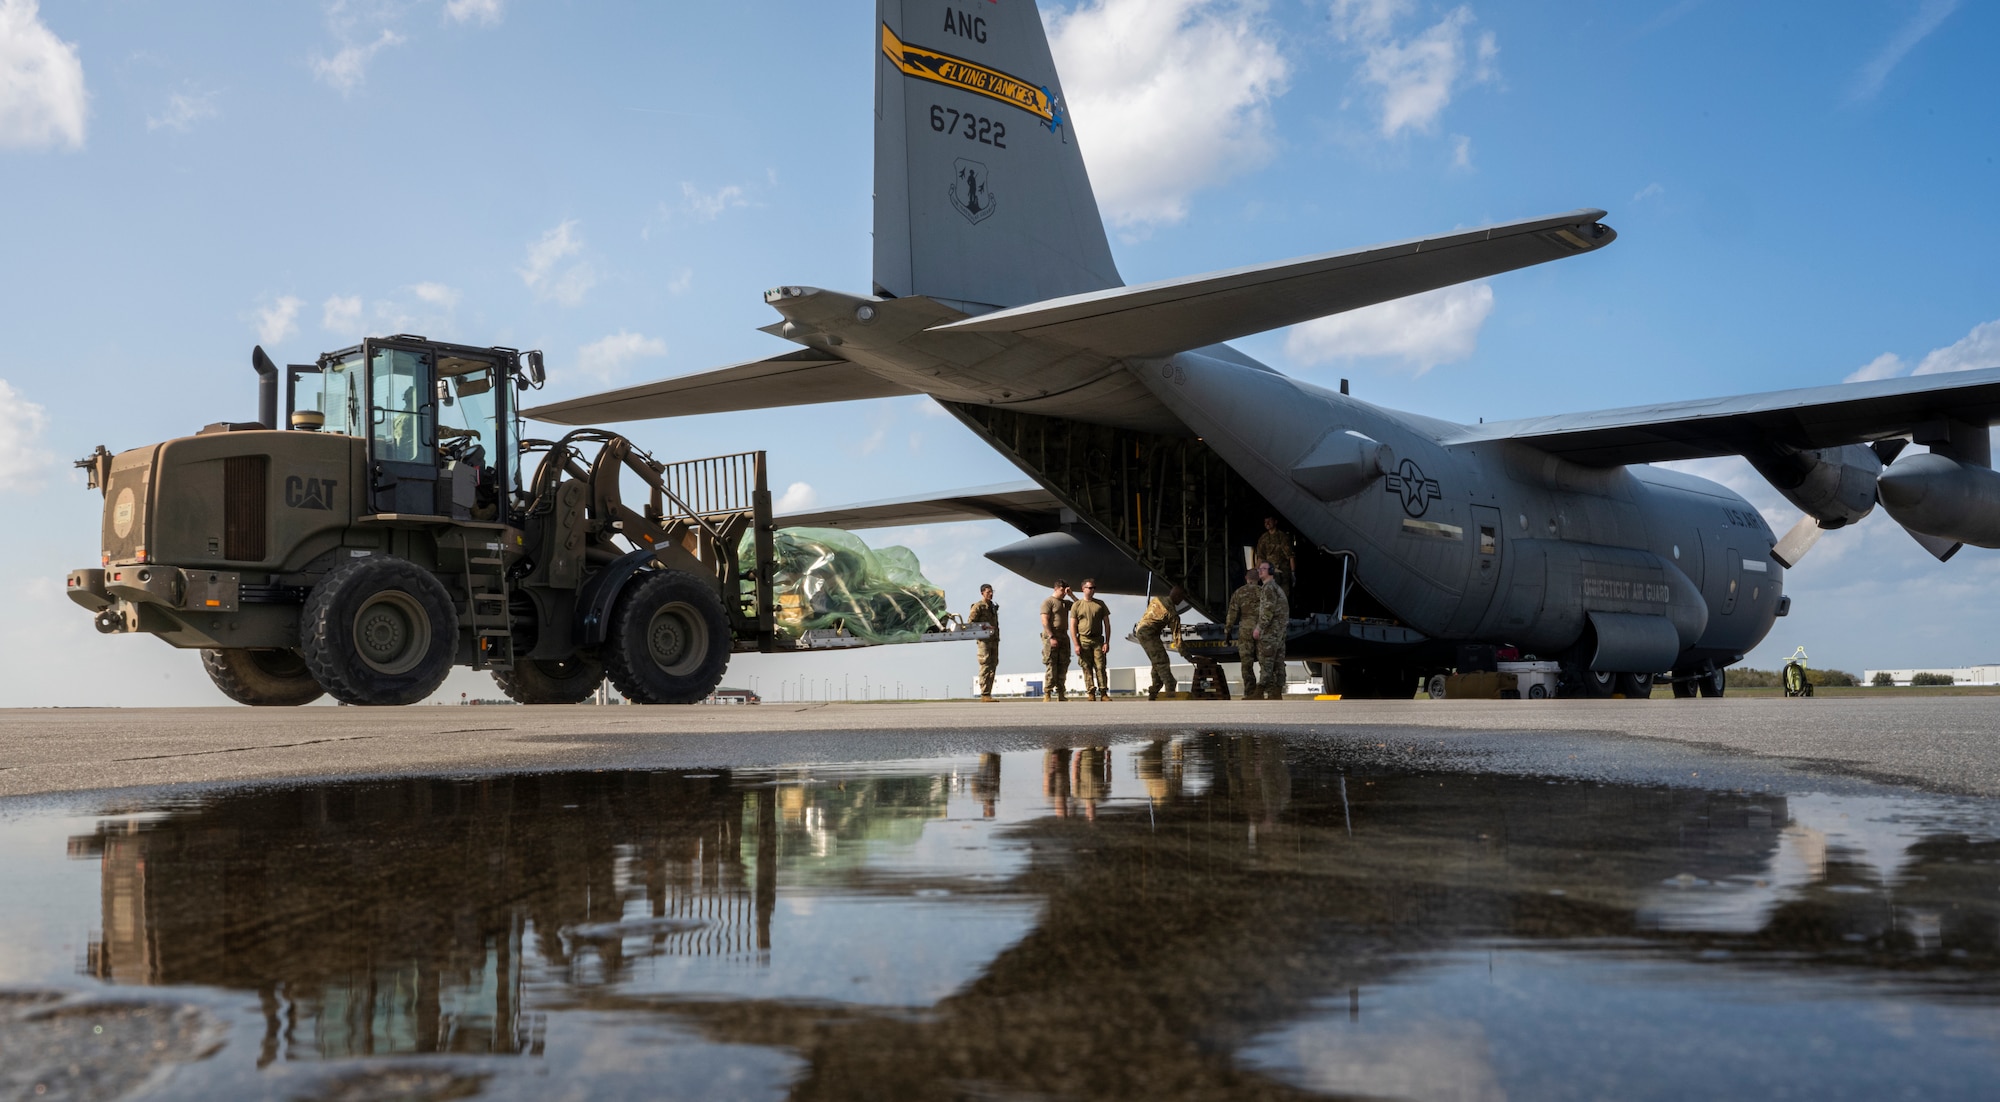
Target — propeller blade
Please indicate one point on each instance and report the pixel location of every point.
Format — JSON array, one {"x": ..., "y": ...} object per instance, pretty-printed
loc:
[
  {"x": 1889, "y": 449},
  {"x": 1797, "y": 542},
  {"x": 1943, "y": 549}
]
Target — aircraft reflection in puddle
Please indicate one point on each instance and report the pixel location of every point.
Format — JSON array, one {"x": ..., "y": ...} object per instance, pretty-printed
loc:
[{"x": 1194, "y": 918}]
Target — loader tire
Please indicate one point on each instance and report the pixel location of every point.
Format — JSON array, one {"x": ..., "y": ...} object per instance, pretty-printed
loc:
[
  {"x": 379, "y": 630},
  {"x": 668, "y": 641},
  {"x": 551, "y": 680},
  {"x": 262, "y": 678}
]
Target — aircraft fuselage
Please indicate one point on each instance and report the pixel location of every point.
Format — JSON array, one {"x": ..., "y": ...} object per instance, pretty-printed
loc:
[{"x": 1486, "y": 542}]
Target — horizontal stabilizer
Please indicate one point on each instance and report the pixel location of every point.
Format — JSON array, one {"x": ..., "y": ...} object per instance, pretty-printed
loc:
[
  {"x": 1814, "y": 417},
  {"x": 801, "y": 378},
  {"x": 1176, "y": 315},
  {"x": 1024, "y": 505}
]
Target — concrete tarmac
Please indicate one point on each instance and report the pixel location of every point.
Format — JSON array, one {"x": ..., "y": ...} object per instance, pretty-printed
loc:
[{"x": 1945, "y": 744}]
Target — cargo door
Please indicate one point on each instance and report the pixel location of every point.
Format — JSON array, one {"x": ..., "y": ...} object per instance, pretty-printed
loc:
[
  {"x": 402, "y": 430},
  {"x": 1483, "y": 574}
]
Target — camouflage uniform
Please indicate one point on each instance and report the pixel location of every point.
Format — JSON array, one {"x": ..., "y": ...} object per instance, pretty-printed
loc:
[
  {"x": 1055, "y": 650},
  {"x": 1275, "y": 547},
  {"x": 1153, "y": 626},
  {"x": 1092, "y": 619},
  {"x": 1243, "y": 606},
  {"x": 1274, "y": 612},
  {"x": 984, "y": 611}
]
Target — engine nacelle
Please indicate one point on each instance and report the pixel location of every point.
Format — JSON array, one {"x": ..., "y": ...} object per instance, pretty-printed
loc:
[
  {"x": 1072, "y": 556},
  {"x": 1942, "y": 497},
  {"x": 1834, "y": 486}
]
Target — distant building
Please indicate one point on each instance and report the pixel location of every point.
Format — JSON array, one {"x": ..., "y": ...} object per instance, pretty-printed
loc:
[
  {"x": 1965, "y": 675},
  {"x": 733, "y": 696}
]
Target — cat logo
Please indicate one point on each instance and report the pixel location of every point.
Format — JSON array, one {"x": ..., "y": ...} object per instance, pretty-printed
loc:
[
  {"x": 309, "y": 493},
  {"x": 972, "y": 191}
]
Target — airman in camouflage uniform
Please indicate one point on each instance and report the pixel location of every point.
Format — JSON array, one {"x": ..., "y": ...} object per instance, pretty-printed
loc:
[
  {"x": 1274, "y": 612},
  {"x": 1152, "y": 632},
  {"x": 1275, "y": 547},
  {"x": 1237, "y": 625},
  {"x": 1055, "y": 643},
  {"x": 1090, "y": 632},
  {"x": 984, "y": 611}
]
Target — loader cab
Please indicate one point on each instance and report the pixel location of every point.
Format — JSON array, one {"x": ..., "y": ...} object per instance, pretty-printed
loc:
[{"x": 438, "y": 420}]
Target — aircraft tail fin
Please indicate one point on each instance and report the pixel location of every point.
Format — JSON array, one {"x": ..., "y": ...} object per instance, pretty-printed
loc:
[{"x": 981, "y": 197}]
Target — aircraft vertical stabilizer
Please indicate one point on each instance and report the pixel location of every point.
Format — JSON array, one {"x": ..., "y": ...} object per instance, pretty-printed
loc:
[{"x": 981, "y": 198}]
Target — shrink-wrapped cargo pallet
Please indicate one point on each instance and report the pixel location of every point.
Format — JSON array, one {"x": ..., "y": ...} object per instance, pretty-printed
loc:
[{"x": 826, "y": 578}]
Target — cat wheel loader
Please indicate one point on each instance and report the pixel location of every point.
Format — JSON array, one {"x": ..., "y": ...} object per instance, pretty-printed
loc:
[{"x": 398, "y": 524}]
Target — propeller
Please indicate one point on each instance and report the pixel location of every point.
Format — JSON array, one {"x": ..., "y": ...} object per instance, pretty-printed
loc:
[
  {"x": 1797, "y": 542},
  {"x": 1807, "y": 532},
  {"x": 1938, "y": 546}
]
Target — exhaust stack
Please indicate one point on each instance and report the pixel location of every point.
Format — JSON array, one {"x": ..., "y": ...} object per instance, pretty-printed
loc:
[{"x": 267, "y": 387}]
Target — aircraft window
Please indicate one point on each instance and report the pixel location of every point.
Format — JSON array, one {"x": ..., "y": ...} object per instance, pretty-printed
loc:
[
  {"x": 402, "y": 406},
  {"x": 1489, "y": 541}
]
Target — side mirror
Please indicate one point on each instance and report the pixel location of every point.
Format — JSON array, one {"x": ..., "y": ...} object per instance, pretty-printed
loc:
[{"x": 533, "y": 374}]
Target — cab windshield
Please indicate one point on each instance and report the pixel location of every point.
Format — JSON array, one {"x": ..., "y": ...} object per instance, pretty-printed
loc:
[
  {"x": 469, "y": 424},
  {"x": 340, "y": 396}
]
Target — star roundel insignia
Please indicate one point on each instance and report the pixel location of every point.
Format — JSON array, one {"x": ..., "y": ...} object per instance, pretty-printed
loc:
[{"x": 1410, "y": 484}]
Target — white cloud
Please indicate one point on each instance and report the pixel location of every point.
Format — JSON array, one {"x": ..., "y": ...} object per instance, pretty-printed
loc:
[
  {"x": 545, "y": 274},
  {"x": 1886, "y": 366},
  {"x": 1413, "y": 77},
  {"x": 43, "y": 103},
  {"x": 278, "y": 320},
  {"x": 346, "y": 70},
  {"x": 486, "y": 12},
  {"x": 798, "y": 497},
  {"x": 606, "y": 358},
  {"x": 1972, "y": 352},
  {"x": 1868, "y": 83},
  {"x": 1977, "y": 349},
  {"x": 1423, "y": 331},
  {"x": 183, "y": 110},
  {"x": 708, "y": 206},
  {"x": 1650, "y": 191},
  {"x": 341, "y": 314},
  {"x": 21, "y": 425},
  {"x": 1169, "y": 97},
  {"x": 681, "y": 281},
  {"x": 436, "y": 294},
  {"x": 1461, "y": 151}
]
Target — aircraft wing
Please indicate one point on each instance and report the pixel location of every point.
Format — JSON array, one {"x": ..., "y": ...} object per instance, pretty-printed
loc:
[
  {"x": 1022, "y": 504},
  {"x": 1176, "y": 315},
  {"x": 801, "y": 378},
  {"x": 1814, "y": 417}
]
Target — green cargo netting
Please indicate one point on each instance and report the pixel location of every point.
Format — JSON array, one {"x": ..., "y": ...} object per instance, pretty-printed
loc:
[{"x": 827, "y": 578}]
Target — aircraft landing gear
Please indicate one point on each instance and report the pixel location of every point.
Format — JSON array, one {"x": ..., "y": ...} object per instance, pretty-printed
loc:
[
  {"x": 1585, "y": 683},
  {"x": 1707, "y": 681}
]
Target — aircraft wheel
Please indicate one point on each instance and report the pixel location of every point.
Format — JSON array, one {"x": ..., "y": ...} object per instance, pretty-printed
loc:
[
  {"x": 1537, "y": 692},
  {"x": 1712, "y": 683},
  {"x": 1634, "y": 686},
  {"x": 1591, "y": 684},
  {"x": 262, "y": 678},
  {"x": 1684, "y": 685},
  {"x": 1436, "y": 687},
  {"x": 669, "y": 639},
  {"x": 568, "y": 680},
  {"x": 379, "y": 630}
]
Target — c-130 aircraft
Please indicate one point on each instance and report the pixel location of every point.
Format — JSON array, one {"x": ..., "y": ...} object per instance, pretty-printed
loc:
[{"x": 1156, "y": 449}]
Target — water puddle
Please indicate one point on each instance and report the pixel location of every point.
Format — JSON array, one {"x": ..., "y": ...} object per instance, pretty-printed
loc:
[{"x": 1207, "y": 917}]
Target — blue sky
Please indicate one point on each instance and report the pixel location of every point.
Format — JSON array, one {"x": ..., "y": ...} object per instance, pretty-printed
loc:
[{"x": 1802, "y": 193}]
